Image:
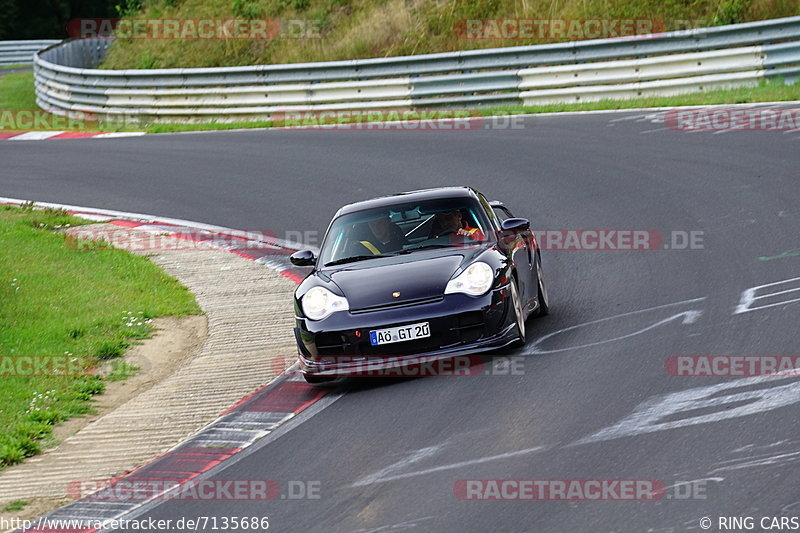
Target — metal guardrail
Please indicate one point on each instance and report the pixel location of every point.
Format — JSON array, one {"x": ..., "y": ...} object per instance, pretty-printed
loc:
[
  {"x": 67, "y": 79},
  {"x": 21, "y": 52}
]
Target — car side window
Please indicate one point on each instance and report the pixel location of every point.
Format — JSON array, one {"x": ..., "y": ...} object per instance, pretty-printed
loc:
[{"x": 502, "y": 213}]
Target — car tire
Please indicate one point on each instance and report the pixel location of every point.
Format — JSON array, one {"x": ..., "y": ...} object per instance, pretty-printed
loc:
[
  {"x": 544, "y": 302},
  {"x": 519, "y": 315}
]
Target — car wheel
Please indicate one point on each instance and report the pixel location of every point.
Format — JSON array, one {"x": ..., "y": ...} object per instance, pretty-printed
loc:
[
  {"x": 544, "y": 303},
  {"x": 519, "y": 316}
]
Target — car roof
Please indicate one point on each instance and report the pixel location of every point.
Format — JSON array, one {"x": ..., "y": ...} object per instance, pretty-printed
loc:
[{"x": 410, "y": 196}]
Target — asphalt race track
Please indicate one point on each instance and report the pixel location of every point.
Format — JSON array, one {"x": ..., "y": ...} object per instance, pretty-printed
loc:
[{"x": 590, "y": 402}]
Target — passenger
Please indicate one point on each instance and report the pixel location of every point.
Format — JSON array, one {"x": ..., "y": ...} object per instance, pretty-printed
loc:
[{"x": 452, "y": 223}]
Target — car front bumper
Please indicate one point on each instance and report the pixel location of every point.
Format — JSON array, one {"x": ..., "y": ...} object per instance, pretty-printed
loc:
[{"x": 339, "y": 345}]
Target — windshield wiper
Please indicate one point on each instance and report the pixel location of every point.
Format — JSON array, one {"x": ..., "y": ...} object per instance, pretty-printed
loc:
[
  {"x": 354, "y": 258},
  {"x": 425, "y": 247}
]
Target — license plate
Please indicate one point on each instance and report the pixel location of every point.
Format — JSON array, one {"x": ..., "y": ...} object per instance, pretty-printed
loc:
[{"x": 399, "y": 334}]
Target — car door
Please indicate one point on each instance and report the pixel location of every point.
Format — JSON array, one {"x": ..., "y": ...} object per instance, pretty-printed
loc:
[{"x": 523, "y": 257}]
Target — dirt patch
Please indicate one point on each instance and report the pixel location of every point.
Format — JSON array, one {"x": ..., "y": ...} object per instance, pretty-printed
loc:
[
  {"x": 249, "y": 315},
  {"x": 174, "y": 343},
  {"x": 36, "y": 508}
]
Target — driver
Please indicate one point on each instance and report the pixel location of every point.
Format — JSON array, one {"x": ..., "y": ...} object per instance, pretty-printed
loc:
[
  {"x": 385, "y": 236},
  {"x": 453, "y": 223}
]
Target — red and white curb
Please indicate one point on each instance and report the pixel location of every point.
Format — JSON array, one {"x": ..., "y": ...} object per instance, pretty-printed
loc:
[
  {"x": 247, "y": 422},
  {"x": 57, "y": 135},
  {"x": 253, "y": 418},
  {"x": 259, "y": 248},
  {"x": 269, "y": 251}
]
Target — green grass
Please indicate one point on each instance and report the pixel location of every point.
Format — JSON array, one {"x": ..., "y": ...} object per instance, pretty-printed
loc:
[
  {"x": 16, "y": 91},
  {"x": 56, "y": 300},
  {"x": 766, "y": 91},
  {"x": 353, "y": 29},
  {"x": 17, "y": 94},
  {"x": 16, "y": 505},
  {"x": 204, "y": 126}
]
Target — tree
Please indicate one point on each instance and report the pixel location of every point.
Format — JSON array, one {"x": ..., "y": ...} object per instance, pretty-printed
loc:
[{"x": 47, "y": 19}]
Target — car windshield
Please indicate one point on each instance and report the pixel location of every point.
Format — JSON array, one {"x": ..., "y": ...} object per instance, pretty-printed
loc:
[{"x": 404, "y": 228}]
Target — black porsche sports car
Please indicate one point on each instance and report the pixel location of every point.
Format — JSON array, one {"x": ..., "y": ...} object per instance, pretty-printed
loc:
[{"x": 432, "y": 273}]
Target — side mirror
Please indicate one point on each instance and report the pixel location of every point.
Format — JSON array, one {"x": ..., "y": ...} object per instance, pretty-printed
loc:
[
  {"x": 516, "y": 224},
  {"x": 303, "y": 258}
]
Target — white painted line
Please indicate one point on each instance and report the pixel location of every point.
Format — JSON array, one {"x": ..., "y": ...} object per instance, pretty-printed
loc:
[
  {"x": 693, "y": 481},
  {"x": 748, "y": 296},
  {"x": 523, "y": 115},
  {"x": 781, "y": 459},
  {"x": 405, "y": 524},
  {"x": 90, "y": 216},
  {"x": 702, "y": 405},
  {"x": 381, "y": 476},
  {"x": 118, "y": 134},
  {"x": 35, "y": 136},
  {"x": 687, "y": 317},
  {"x": 653, "y": 131}
]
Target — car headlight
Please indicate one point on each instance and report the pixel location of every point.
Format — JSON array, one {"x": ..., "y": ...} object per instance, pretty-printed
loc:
[
  {"x": 475, "y": 280},
  {"x": 319, "y": 302}
]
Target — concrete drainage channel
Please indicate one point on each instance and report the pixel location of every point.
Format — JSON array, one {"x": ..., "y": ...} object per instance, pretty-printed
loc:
[{"x": 181, "y": 421}]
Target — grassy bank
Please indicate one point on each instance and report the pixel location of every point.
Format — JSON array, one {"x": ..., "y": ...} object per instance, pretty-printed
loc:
[
  {"x": 17, "y": 93},
  {"x": 348, "y": 29},
  {"x": 67, "y": 310}
]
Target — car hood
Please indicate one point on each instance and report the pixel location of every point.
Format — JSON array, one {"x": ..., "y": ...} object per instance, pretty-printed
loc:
[{"x": 376, "y": 284}]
